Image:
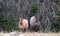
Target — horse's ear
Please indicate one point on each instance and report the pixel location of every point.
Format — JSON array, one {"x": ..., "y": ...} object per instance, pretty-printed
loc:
[{"x": 20, "y": 18}]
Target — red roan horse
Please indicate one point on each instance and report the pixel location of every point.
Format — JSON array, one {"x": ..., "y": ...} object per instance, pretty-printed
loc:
[{"x": 23, "y": 24}]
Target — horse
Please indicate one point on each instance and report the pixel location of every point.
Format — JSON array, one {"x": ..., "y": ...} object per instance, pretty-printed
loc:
[
  {"x": 34, "y": 23},
  {"x": 23, "y": 24}
]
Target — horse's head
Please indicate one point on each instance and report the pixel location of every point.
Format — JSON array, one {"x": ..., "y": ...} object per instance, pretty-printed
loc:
[
  {"x": 38, "y": 17},
  {"x": 20, "y": 19}
]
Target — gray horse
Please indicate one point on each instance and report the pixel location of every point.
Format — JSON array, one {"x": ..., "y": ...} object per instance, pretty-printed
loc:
[{"x": 34, "y": 23}]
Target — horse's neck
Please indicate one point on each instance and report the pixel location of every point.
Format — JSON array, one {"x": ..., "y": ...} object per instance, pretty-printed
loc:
[
  {"x": 21, "y": 23},
  {"x": 36, "y": 19}
]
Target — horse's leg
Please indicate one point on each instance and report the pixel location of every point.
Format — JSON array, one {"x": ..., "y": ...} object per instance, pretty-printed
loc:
[
  {"x": 25, "y": 30},
  {"x": 20, "y": 30}
]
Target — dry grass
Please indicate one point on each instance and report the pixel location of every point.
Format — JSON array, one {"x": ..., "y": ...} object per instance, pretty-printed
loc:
[
  {"x": 35, "y": 34},
  {"x": 41, "y": 34}
]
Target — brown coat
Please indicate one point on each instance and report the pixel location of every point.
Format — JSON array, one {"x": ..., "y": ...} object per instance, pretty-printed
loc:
[{"x": 23, "y": 24}]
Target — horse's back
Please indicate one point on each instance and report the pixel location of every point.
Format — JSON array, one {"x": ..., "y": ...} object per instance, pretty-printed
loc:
[{"x": 32, "y": 20}]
